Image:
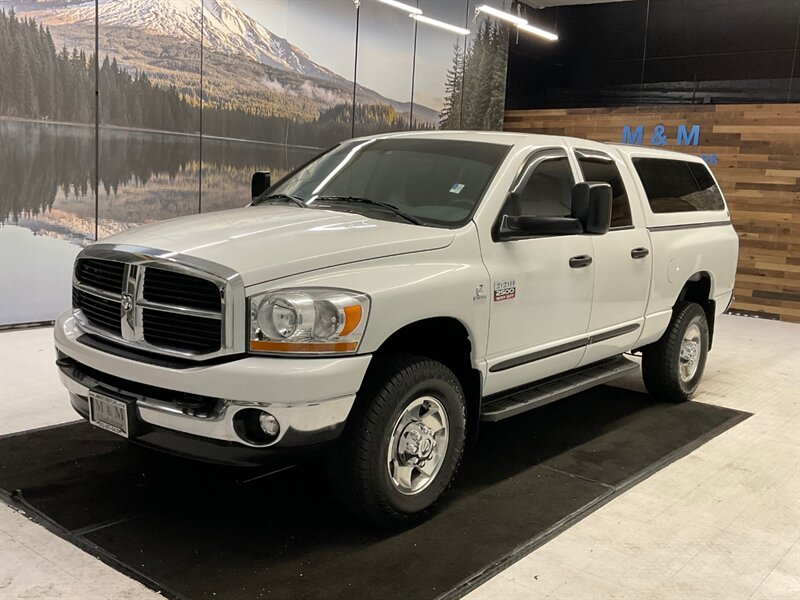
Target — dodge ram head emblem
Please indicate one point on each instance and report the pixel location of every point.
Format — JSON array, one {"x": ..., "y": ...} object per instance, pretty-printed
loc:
[{"x": 127, "y": 302}]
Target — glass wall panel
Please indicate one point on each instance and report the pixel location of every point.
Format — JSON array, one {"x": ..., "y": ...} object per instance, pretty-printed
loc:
[
  {"x": 276, "y": 91},
  {"x": 149, "y": 137},
  {"x": 439, "y": 66},
  {"x": 384, "y": 73},
  {"x": 485, "y": 63},
  {"x": 326, "y": 33},
  {"x": 47, "y": 204}
]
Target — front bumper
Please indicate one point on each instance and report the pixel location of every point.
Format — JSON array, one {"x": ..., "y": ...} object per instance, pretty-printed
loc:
[{"x": 310, "y": 397}]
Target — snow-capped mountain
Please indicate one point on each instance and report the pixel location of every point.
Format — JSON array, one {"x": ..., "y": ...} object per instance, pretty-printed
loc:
[{"x": 226, "y": 28}]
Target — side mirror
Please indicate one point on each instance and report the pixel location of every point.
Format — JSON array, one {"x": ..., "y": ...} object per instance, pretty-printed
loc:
[
  {"x": 259, "y": 184},
  {"x": 591, "y": 205},
  {"x": 512, "y": 227}
]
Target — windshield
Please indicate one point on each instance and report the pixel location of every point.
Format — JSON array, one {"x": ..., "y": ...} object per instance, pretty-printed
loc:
[{"x": 436, "y": 182}]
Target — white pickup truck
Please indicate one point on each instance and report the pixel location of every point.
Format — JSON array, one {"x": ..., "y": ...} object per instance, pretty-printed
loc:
[{"x": 379, "y": 302}]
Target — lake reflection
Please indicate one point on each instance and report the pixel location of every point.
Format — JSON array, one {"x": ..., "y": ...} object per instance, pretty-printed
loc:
[{"x": 46, "y": 186}]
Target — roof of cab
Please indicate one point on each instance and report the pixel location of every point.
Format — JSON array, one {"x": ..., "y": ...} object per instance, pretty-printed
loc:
[
  {"x": 647, "y": 151},
  {"x": 491, "y": 137},
  {"x": 527, "y": 139}
]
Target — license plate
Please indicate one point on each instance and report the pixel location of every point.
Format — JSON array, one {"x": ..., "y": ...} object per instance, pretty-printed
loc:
[{"x": 108, "y": 413}]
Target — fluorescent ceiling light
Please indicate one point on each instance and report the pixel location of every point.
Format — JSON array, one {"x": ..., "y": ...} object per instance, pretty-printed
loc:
[
  {"x": 441, "y": 24},
  {"x": 540, "y": 32},
  {"x": 404, "y": 7},
  {"x": 500, "y": 14},
  {"x": 518, "y": 21}
]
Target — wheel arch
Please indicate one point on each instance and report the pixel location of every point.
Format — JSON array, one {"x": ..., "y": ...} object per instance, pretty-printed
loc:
[
  {"x": 699, "y": 289},
  {"x": 447, "y": 340}
]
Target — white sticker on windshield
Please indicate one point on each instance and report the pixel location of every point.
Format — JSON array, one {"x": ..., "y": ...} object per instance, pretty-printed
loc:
[{"x": 457, "y": 187}]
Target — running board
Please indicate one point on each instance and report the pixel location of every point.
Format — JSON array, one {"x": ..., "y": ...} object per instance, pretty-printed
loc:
[{"x": 519, "y": 400}]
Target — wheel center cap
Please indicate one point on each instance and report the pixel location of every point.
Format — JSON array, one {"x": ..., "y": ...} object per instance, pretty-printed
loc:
[
  {"x": 425, "y": 447},
  {"x": 690, "y": 351},
  {"x": 417, "y": 442}
]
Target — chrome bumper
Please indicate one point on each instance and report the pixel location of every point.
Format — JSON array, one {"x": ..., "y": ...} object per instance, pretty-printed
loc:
[{"x": 310, "y": 397}]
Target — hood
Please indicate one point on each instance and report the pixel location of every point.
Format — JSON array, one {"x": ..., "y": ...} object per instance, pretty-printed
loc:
[{"x": 269, "y": 242}]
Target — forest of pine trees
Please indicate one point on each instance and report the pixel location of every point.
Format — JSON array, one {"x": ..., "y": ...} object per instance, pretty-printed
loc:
[
  {"x": 475, "y": 87},
  {"x": 39, "y": 82}
]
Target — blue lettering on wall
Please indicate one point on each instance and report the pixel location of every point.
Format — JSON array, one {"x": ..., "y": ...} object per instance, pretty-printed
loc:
[
  {"x": 692, "y": 138},
  {"x": 632, "y": 137},
  {"x": 711, "y": 159},
  {"x": 658, "y": 138}
]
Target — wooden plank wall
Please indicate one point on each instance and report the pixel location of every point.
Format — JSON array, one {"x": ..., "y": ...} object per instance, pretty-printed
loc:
[{"x": 757, "y": 147}]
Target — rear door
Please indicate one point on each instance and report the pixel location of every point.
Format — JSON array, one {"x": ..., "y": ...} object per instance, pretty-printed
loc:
[{"x": 623, "y": 259}]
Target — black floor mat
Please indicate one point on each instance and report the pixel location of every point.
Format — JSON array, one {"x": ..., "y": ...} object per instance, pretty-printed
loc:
[{"x": 197, "y": 531}]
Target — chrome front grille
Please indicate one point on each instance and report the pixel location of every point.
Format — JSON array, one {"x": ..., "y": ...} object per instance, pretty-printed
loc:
[
  {"x": 170, "y": 287},
  {"x": 98, "y": 310},
  {"x": 158, "y": 301},
  {"x": 101, "y": 274},
  {"x": 196, "y": 334}
]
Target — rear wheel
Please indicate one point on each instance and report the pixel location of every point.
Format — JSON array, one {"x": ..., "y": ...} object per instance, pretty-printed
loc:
[
  {"x": 673, "y": 366},
  {"x": 403, "y": 441}
]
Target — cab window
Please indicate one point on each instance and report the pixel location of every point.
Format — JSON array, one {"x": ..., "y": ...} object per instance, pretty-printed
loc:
[
  {"x": 599, "y": 166},
  {"x": 677, "y": 185},
  {"x": 544, "y": 187}
]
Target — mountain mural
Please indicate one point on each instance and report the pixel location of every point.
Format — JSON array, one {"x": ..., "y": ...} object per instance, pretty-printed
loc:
[{"x": 246, "y": 66}]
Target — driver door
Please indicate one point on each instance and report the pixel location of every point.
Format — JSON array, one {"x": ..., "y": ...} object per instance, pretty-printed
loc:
[{"x": 540, "y": 295}]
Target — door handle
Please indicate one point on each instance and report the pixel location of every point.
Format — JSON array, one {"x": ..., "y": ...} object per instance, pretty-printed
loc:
[
  {"x": 639, "y": 252},
  {"x": 576, "y": 262}
]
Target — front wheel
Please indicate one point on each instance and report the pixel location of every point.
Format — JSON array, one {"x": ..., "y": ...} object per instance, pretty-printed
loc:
[
  {"x": 403, "y": 441},
  {"x": 673, "y": 366}
]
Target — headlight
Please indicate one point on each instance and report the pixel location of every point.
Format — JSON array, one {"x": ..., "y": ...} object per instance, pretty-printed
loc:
[{"x": 307, "y": 320}]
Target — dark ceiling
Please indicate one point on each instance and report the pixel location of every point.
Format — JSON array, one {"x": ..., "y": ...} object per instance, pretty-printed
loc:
[{"x": 658, "y": 51}]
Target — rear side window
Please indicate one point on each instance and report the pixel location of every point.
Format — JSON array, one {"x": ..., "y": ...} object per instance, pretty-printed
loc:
[
  {"x": 597, "y": 166},
  {"x": 677, "y": 185}
]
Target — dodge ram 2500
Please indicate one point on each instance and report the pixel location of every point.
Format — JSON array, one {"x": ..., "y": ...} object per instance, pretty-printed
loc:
[{"x": 380, "y": 301}]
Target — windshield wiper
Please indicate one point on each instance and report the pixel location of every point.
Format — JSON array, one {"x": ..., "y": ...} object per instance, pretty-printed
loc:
[
  {"x": 293, "y": 199},
  {"x": 357, "y": 199}
]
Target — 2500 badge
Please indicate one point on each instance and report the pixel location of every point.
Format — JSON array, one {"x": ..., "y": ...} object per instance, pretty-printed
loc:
[{"x": 505, "y": 290}]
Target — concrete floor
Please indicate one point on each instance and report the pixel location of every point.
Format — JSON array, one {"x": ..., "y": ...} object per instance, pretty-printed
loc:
[{"x": 723, "y": 522}]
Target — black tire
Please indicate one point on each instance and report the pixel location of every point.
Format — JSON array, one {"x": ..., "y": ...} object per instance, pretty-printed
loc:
[
  {"x": 661, "y": 361},
  {"x": 358, "y": 471}
]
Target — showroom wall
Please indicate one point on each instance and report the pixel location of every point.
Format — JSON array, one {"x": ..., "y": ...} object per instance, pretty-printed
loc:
[
  {"x": 195, "y": 95},
  {"x": 716, "y": 78}
]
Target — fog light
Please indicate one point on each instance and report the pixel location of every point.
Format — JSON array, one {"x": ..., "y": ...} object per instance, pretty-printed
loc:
[
  {"x": 256, "y": 426},
  {"x": 269, "y": 424}
]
